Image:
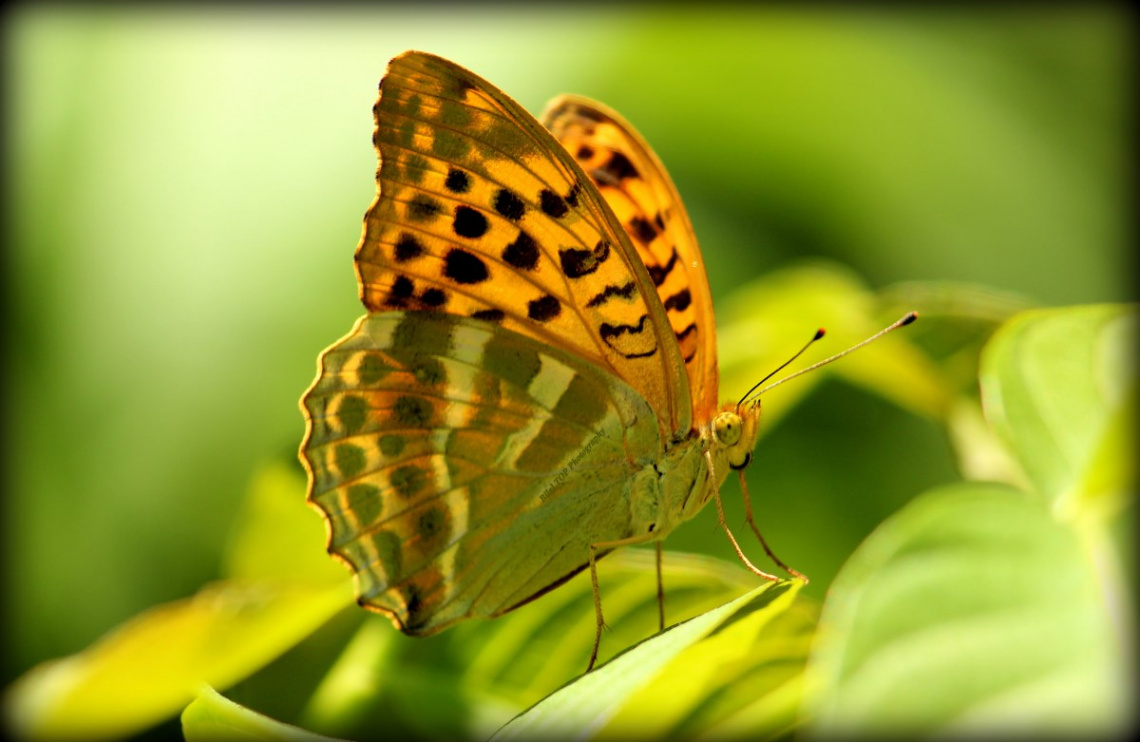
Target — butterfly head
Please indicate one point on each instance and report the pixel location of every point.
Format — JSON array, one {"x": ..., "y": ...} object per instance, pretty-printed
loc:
[{"x": 735, "y": 428}]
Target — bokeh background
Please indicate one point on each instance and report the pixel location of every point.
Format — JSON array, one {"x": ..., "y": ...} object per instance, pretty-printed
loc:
[{"x": 185, "y": 188}]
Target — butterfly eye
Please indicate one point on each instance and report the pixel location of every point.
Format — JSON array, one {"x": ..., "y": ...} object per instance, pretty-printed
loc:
[{"x": 727, "y": 428}]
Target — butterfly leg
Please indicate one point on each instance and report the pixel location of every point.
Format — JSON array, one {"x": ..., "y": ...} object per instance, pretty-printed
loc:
[
  {"x": 604, "y": 547},
  {"x": 724, "y": 525},
  {"x": 756, "y": 530}
]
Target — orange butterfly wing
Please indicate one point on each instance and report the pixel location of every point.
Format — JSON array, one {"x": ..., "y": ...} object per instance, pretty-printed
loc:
[
  {"x": 633, "y": 181},
  {"x": 480, "y": 212},
  {"x": 464, "y": 469}
]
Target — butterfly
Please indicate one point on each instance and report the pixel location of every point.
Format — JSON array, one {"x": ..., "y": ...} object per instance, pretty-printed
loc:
[{"x": 535, "y": 381}]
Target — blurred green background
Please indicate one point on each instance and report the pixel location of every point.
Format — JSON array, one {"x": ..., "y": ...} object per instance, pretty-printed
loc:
[{"x": 185, "y": 191}]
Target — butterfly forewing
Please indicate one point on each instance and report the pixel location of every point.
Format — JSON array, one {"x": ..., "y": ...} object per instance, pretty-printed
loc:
[
  {"x": 643, "y": 198},
  {"x": 464, "y": 468},
  {"x": 481, "y": 213}
]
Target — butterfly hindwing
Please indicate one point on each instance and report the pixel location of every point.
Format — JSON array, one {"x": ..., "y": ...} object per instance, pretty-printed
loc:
[
  {"x": 464, "y": 468},
  {"x": 481, "y": 213},
  {"x": 634, "y": 183}
]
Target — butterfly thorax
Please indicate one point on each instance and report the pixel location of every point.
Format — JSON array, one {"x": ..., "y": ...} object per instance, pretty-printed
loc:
[{"x": 685, "y": 484}]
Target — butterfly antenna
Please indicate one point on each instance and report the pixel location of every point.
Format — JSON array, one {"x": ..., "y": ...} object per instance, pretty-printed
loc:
[
  {"x": 901, "y": 322},
  {"x": 818, "y": 334}
]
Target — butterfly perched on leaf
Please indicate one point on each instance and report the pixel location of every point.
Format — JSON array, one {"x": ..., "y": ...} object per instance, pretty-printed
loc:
[{"x": 535, "y": 381}]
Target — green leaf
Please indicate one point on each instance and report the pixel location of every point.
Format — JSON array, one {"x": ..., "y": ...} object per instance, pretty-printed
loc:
[
  {"x": 1059, "y": 386},
  {"x": 982, "y": 455},
  {"x": 528, "y": 650},
  {"x": 957, "y": 320},
  {"x": 970, "y": 611},
  {"x": 277, "y": 535},
  {"x": 214, "y": 717},
  {"x": 745, "y": 680},
  {"x": 478, "y": 675},
  {"x": 150, "y": 667},
  {"x": 610, "y": 694}
]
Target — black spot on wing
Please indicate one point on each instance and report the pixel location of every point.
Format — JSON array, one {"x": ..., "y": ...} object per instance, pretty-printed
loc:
[
  {"x": 660, "y": 272},
  {"x": 509, "y": 204},
  {"x": 457, "y": 181},
  {"x": 402, "y": 290},
  {"x": 522, "y": 253},
  {"x": 679, "y": 301},
  {"x": 683, "y": 335},
  {"x": 544, "y": 308},
  {"x": 433, "y": 297},
  {"x": 625, "y": 292},
  {"x": 463, "y": 267},
  {"x": 577, "y": 263},
  {"x": 407, "y": 248},
  {"x": 619, "y": 167},
  {"x": 552, "y": 204},
  {"x": 469, "y": 222},
  {"x": 642, "y": 230},
  {"x": 612, "y": 333},
  {"x": 686, "y": 332}
]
